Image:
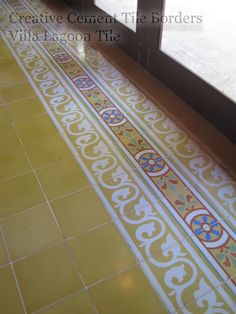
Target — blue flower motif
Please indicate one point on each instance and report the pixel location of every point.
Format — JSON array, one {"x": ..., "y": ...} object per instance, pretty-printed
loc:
[{"x": 207, "y": 228}]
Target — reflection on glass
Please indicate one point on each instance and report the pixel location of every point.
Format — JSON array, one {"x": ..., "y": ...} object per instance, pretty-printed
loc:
[
  {"x": 207, "y": 48},
  {"x": 124, "y": 10},
  {"x": 80, "y": 49}
]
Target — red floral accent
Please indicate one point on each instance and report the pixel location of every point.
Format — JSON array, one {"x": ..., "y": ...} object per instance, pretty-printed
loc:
[{"x": 227, "y": 262}]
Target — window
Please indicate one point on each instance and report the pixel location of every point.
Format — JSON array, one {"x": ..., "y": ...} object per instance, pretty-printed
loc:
[
  {"x": 124, "y": 9},
  {"x": 207, "y": 48}
]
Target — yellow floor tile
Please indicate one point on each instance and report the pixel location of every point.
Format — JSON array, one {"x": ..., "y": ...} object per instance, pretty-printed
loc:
[
  {"x": 35, "y": 128},
  {"x": 9, "y": 297},
  {"x": 48, "y": 150},
  {"x": 11, "y": 76},
  {"x": 26, "y": 108},
  {"x": 20, "y": 193},
  {"x": 5, "y": 118},
  {"x": 62, "y": 178},
  {"x": 79, "y": 212},
  {"x": 47, "y": 277},
  {"x": 3, "y": 253},
  {"x": 2, "y": 44},
  {"x": 17, "y": 91},
  {"x": 101, "y": 253},
  {"x": 8, "y": 64},
  {"x": 13, "y": 162},
  {"x": 30, "y": 231},
  {"x": 8, "y": 137},
  {"x": 129, "y": 292},
  {"x": 77, "y": 304},
  {"x": 5, "y": 53}
]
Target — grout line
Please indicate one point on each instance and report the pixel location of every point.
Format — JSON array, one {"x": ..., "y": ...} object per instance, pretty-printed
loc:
[
  {"x": 8, "y": 148},
  {"x": 30, "y": 142},
  {"x": 42, "y": 250},
  {"x": 61, "y": 197},
  {"x": 18, "y": 120},
  {"x": 43, "y": 138},
  {"x": 51, "y": 245},
  {"x": 13, "y": 270},
  {"x": 37, "y": 168},
  {"x": 115, "y": 274},
  {"x": 18, "y": 83},
  {"x": 10, "y": 84},
  {"x": 92, "y": 303},
  {"x": 55, "y": 163},
  {"x": 73, "y": 261},
  {"x": 87, "y": 187},
  {"x": 15, "y": 177},
  {"x": 59, "y": 301},
  {"x": 5, "y": 265},
  {"x": 18, "y": 99},
  {"x": 22, "y": 211},
  {"x": 86, "y": 289},
  {"x": 50, "y": 208}
]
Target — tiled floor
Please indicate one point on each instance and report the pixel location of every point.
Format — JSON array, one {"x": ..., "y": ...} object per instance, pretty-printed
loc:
[{"x": 102, "y": 208}]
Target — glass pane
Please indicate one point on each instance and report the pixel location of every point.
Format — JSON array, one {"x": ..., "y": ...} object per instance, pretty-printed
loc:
[
  {"x": 125, "y": 10},
  {"x": 208, "y": 48}
]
